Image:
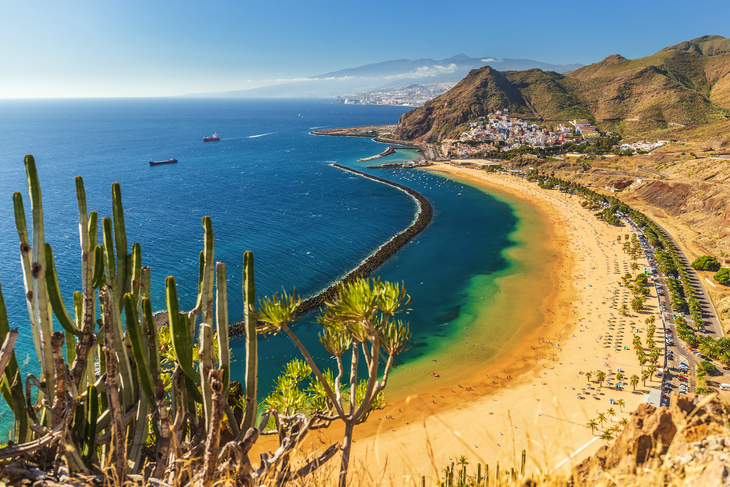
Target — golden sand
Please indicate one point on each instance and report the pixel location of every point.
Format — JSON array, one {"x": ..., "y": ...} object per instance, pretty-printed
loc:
[{"x": 529, "y": 398}]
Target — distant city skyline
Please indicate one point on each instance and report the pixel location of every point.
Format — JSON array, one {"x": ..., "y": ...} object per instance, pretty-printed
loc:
[{"x": 81, "y": 48}]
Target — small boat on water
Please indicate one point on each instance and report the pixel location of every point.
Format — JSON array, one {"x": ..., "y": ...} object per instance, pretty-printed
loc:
[
  {"x": 169, "y": 161},
  {"x": 212, "y": 138}
]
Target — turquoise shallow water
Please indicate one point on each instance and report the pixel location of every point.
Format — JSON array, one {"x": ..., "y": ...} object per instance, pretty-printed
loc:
[{"x": 269, "y": 187}]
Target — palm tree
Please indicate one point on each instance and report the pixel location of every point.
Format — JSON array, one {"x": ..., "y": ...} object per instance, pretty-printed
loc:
[
  {"x": 651, "y": 369},
  {"x": 634, "y": 266},
  {"x": 621, "y": 403},
  {"x": 602, "y": 418},
  {"x": 644, "y": 376},
  {"x": 624, "y": 310},
  {"x": 589, "y": 375},
  {"x": 634, "y": 379},
  {"x": 637, "y": 304},
  {"x": 650, "y": 320},
  {"x": 607, "y": 436},
  {"x": 616, "y": 428},
  {"x": 654, "y": 356},
  {"x": 611, "y": 412},
  {"x": 593, "y": 425},
  {"x": 600, "y": 377}
]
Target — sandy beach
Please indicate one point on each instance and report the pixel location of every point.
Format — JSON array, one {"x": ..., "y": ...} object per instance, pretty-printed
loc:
[{"x": 536, "y": 398}]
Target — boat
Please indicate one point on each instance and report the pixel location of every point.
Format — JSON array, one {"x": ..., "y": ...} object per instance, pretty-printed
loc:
[
  {"x": 169, "y": 161},
  {"x": 212, "y": 138}
]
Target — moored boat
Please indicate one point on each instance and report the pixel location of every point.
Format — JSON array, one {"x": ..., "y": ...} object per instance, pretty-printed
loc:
[
  {"x": 168, "y": 161},
  {"x": 212, "y": 138}
]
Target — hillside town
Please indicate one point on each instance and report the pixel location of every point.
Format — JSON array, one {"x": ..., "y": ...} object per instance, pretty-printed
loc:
[
  {"x": 501, "y": 131},
  {"x": 407, "y": 96}
]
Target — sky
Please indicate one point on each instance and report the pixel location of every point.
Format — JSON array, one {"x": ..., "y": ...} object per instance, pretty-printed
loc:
[{"x": 132, "y": 48}]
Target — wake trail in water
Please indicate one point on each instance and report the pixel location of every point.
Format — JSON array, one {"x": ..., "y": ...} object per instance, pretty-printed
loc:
[{"x": 260, "y": 135}]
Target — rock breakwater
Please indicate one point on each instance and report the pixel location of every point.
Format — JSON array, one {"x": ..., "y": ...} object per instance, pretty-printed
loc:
[{"x": 387, "y": 250}]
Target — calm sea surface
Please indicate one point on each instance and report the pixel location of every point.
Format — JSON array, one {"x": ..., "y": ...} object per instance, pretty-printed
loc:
[{"x": 268, "y": 186}]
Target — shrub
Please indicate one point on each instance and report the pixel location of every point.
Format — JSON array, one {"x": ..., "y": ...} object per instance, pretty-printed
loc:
[
  {"x": 723, "y": 276},
  {"x": 706, "y": 263}
]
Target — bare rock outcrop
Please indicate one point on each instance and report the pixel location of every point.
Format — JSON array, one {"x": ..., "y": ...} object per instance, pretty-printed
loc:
[{"x": 690, "y": 440}]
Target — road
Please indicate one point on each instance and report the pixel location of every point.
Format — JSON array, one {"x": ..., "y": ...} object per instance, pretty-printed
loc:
[
  {"x": 676, "y": 353},
  {"x": 661, "y": 176},
  {"x": 709, "y": 314}
]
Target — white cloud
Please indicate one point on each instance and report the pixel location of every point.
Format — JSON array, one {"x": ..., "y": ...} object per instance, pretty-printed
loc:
[
  {"x": 425, "y": 72},
  {"x": 491, "y": 60}
]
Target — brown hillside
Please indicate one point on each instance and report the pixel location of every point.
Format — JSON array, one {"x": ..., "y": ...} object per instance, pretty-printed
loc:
[
  {"x": 705, "y": 45},
  {"x": 685, "y": 84}
]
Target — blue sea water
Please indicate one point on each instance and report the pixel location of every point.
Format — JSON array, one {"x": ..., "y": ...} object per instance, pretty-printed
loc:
[{"x": 268, "y": 185}]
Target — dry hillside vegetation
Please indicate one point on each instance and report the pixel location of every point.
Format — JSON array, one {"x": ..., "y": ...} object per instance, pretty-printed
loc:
[{"x": 683, "y": 85}]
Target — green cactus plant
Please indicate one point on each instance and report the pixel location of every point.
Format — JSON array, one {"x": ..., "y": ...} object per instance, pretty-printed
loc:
[
  {"x": 252, "y": 360},
  {"x": 109, "y": 424},
  {"x": 11, "y": 385},
  {"x": 205, "y": 337}
]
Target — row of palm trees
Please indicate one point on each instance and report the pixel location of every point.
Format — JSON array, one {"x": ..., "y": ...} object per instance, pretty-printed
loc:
[{"x": 613, "y": 431}]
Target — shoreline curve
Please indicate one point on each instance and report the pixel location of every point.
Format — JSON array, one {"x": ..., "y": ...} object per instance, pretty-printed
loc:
[{"x": 374, "y": 260}]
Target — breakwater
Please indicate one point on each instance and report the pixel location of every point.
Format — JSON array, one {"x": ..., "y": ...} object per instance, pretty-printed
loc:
[
  {"x": 383, "y": 253},
  {"x": 386, "y": 152}
]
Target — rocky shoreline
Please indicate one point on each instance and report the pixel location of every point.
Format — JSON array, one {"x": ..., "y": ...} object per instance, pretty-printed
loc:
[{"x": 386, "y": 251}]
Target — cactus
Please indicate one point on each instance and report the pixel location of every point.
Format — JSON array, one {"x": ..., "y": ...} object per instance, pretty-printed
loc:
[
  {"x": 11, "y": 384},
  {"x": 140, "y": 352},
  {"x": 205, "y": 337},
  {"x": 106, "y": 426},
  {"x": 34, "y": 263},
  {"x": 252, "y": 359},
  {"x": 115, "y": 321},
  {"x": 91, "y": 413},
  {"x": 221, "y": 326},
  {"x": 120, "y": 244},
  {"x": 179, "y": 331},
  {"x": 54, "y": 295}
]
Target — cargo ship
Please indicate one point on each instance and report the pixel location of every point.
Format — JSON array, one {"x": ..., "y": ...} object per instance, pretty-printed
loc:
[
  {"x": 212, "y": 138},
  {"x": 169, "y": 161}
]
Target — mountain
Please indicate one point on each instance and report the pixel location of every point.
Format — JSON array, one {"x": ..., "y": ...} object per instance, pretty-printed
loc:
[
  {"x": 685, "y": 84},
  {"x": 388, "y": 74}
]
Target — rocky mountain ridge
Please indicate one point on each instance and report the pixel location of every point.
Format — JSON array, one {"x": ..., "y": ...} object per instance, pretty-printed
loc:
[{"x": 685, "y": 84}]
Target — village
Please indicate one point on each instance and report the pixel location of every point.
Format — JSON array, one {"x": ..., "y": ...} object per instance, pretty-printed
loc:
[{"x": 501, "y": 131}]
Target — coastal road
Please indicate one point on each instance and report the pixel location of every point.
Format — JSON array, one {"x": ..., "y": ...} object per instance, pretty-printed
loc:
[
  {"x": 709, "y": 314},
  {"x": 673, "y": 354}
]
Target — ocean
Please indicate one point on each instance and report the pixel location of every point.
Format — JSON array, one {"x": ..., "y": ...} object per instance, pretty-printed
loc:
[{"x": 269, "y": 187}]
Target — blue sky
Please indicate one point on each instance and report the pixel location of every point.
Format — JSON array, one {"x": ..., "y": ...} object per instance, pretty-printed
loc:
[{"x": 161, "y": 47}]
